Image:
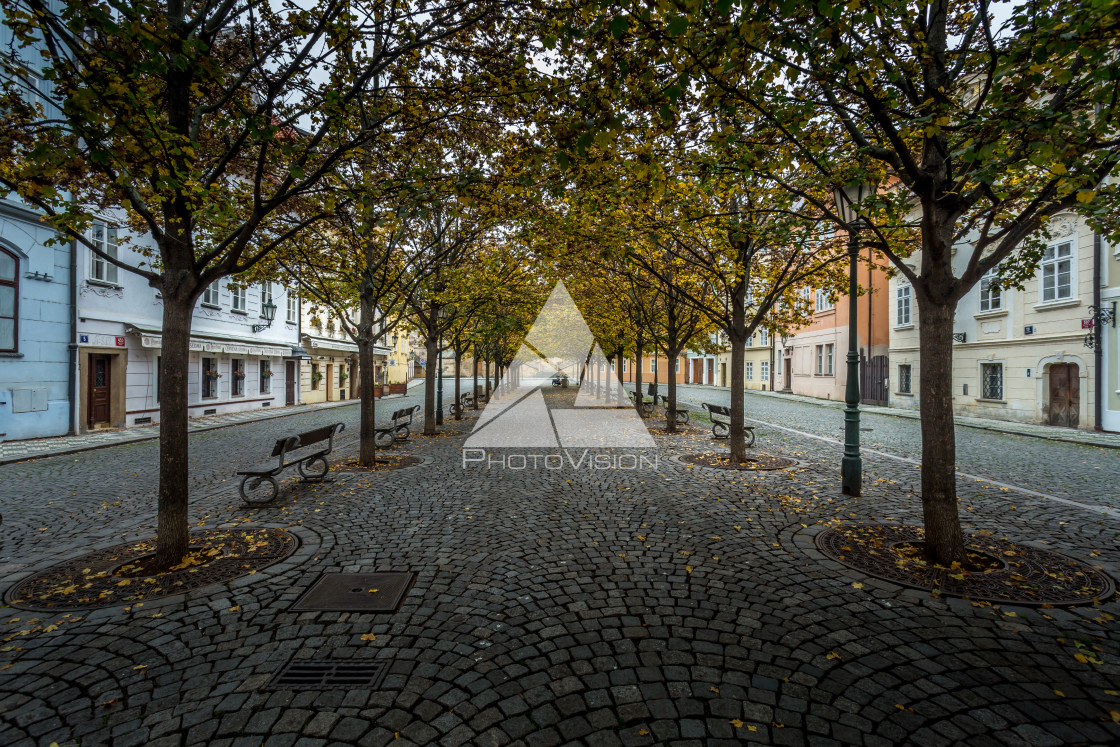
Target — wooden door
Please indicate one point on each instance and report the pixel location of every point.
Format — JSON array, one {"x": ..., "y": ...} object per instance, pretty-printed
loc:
[
  {"x": 99, "y": 398},
  {"x": 787, "y": 371},
  {"x": 1065, "y": 394},
  {"x": 290, "y": 383}
]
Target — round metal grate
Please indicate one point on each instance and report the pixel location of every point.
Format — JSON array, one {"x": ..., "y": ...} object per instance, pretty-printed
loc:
[
  {"x": 1019, "y": 574},
  {"x": 103, "y": 578}
]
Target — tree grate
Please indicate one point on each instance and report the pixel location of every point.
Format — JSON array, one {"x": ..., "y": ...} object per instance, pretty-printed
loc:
[{"x": 329, "y": 675}]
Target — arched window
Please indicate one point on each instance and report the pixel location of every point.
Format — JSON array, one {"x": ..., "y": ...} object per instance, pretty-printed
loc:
[{"x": 9, "y": 300}]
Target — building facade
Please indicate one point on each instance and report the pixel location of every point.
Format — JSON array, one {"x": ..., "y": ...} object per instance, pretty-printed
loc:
[
  {"x": 331, "y": 372},
  {"x": 239, "y": 360},
  {"x": 404, "y": 356},
  {"x": 1109, "y": 302},
  {"x": 812, "y": 360},
  {"x": 1020, "y": 355}
]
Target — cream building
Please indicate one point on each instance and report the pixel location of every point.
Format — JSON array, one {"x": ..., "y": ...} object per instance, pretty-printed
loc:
[
  {"x": 1110, "y": 339},
  {"x": 403, "y": 356},
  {"x": 758, "y": 362},
  {"x": 1019, "y": 355},
  {"x": 331, "y": 372}
]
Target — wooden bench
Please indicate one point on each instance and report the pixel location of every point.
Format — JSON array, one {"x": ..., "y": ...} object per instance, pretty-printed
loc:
[
  {"x": 282, "y": 451},
  {"x": 681, "y": 413},
  {"x": 398, "y": 430},
  {"x": 722, "y": 428}
]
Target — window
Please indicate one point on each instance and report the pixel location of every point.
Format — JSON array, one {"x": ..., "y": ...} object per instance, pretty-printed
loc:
[
  {"x": 824, "y": 300},
  {"x": 749, "y": 373},
  {"x": 9, "y": 300},
  {"x": 992, "y": 380},
  {"x": 293, "y": 308},
  {"x": 266, "y": 377},
  {"x": 104, "y": 237},
  {"x": 764, "y": 371},
  {"x": 625, "y": 365},
  {"x": 904, "y": 374},
  {"x": 210, "y": 377},
  {"x": 778, "y": 366},
  {"x": 1057, "y": 272},
  {"x": 902, "y": 305},
  {"x": 677, "y": 365},
  {"x": 316, "y": 377},
  {"x": 210, "y": 296},
  {"x": 266, "y": 295},
  {"x": 237, "y": 369},
  {"x": 240, "y": 299},
  {"x": 653, "y": 364},
  {"x": 750, "y": 341},
  {"x": 820, "y": 360},
  {"x": 764, "y": 338},
  {"x": 828, "y": 359},
  {"x": 991, "y": 298}
]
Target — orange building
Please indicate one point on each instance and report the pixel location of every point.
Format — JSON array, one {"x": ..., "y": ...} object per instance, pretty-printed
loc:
[
  {"x": 813, "y": 360},
  {"x": 654, "y": 368}
]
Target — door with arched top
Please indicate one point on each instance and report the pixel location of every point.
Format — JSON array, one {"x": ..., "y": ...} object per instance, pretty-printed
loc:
[{"x": 1064, "y": 394}]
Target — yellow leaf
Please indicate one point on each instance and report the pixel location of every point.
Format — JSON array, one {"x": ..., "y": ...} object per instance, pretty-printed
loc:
[
  {"x": 1115, "y": 716},
  {"x": 832, "y": 655},
  {"x": 737, "y": 723},
  {"x": 752, "y": 728},
  {"x": 374, "y": 591},
  {"x": 714, "y": 690},
  {"x": 643, "y": 732},
  {"x": 857, "y": 585},
  {"x": 140, "y": 667},
  {"x": 1059, "y": 693},
  {"x": 1086, "y": 195},
  {"x": 235, "y": 608},
  {"x": 688, "y": 568},
  {"x": 369, "y": 637}
]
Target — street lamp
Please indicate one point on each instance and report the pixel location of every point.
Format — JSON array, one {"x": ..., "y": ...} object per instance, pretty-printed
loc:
[
  {"x": 441, "y": 314},
  {"x": 848, "y": 199},
  {"x": 268, "y": 313}
]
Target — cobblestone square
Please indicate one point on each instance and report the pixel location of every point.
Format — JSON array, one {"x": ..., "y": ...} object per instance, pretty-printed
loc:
[{"x": 669, "y": 605}]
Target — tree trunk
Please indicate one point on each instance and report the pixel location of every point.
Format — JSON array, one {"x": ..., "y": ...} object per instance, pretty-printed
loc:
[
  {"x": 367, "y": 388},
  {"x": 474, "y": 366},
  {"x": 939, "y": 450},
  {"x": 639, "y": 341},
  {"x": 431, "y": 350},
  {"x": 671, "y": 393},
  {"x": 458, "y": 360},
  {"x": 487, "y": 379},
  {"x": 737, "y": 437},
  {"x": 174, "y": 493}
]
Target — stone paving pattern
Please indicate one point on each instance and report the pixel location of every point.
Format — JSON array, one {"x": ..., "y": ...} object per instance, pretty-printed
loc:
[{"x": 677, "y": 605}]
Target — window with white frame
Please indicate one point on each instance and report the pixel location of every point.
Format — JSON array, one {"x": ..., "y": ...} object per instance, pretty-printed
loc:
[
  {"x": 902, "y": 305},
  {"x": 820, "y": 360},
  {"x": 828, "y": 349},
  {"x": 1057, "y": 272},
  {"x": 824, "y": 300},
  {"x": 293, "y": 308},
  {"x": 749, "y": 373},
  {"x": 991, "y": 375},
  {"x": 240, "y": 299},
  {"x": 677, "y": 365},
  {"x": 266, "y": 295},
  {"x": 625, "y": 365},
  {"x": 750, "y": 341},
  {"x": 104, "y": 237},
  {"x": 653, "y": 364},
  {"x": 763, "y": 337},
  {"x": 991, "y": 298},
  {"x": 905, "y": 372},
  {"x": 764, "y": 371},
  {"x": 9, "y": 300},
  {"x": 266, "y": 377},
  {"x": 210, "y": 295}
]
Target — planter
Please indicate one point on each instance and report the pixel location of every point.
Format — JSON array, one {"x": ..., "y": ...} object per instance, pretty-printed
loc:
[{"x": 398, "y": 388}]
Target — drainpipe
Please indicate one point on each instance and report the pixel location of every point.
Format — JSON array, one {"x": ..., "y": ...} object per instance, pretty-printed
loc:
[
  {"x": 1098, "y": 332},
  {"x": 72, "y": 347}
]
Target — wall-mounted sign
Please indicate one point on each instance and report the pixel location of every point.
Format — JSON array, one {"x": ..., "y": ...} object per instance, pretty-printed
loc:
[
  {"x": 1086, "y": 324},
  {"x": 102, "y": 341},
  {"x": 1028, "y": 330}
]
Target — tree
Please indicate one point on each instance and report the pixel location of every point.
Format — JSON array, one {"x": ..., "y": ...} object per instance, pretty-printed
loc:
[
  {"x": 214, "y": 125},
  {"x": 983, "y": 129}
]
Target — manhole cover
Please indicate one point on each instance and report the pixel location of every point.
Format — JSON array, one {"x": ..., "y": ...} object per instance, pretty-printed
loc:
[
  {"x": 329, "y": 675},
  {"x": 356, "y": 592}
]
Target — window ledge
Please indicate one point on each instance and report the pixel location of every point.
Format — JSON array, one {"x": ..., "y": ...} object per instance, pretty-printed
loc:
[
  {"x": 905, "y": 394},
  {"x": 823, "y": 312},
  {"x": 904, "y": 326},
  {"x": 239, "y": 311},
  {"x": 11, "y": 355},
  {"x": 990, "y": 314},
  {"x": 210, "y": 305},
  {"x": 1063, "y": 304},
  {"x": 104, "y": 284},
  {"x": 992, "y": 401}
]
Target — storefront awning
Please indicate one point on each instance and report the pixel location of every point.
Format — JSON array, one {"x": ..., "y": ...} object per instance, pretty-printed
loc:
[
  {"x": 328, "y": 345},
  {"x": 153, "y": 338}
]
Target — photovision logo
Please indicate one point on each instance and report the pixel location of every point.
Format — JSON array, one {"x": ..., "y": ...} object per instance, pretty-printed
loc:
[{"x": 519, "y": 418}]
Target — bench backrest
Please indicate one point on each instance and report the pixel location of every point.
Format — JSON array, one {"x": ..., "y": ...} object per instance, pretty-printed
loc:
[
  {"x": 405, "y": 412},
  {"x": 291, "y": 443},
  {"x": 717, "y": 409}
]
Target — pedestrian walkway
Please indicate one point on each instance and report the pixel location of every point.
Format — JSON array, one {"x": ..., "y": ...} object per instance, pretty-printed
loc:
[
  {"x": 15, "y": 451},
  {"x": 1049, "y": 432}
]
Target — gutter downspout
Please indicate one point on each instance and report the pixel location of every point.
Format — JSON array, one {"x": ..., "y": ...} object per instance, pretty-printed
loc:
[
  {"x": 72, "y": 347},
  {"x": 1098, "y": 333}
]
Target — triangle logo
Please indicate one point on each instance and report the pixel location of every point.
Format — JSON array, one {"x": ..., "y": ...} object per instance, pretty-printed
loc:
[{"x": 558, "y": 346}]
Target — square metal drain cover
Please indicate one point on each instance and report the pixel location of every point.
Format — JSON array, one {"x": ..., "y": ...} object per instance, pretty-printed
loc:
[
  {"x": 356, "y": 592},
  {"x": 329, "y": 675}
]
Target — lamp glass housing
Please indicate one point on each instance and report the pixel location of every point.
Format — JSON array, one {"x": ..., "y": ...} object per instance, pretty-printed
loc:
[{"x": 848, "y": 198}]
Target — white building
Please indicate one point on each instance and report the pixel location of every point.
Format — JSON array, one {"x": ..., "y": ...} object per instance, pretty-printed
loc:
[{"x": 238, "y": 360}]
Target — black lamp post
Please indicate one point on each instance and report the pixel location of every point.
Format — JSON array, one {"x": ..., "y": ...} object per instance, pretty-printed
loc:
[
  {"x": 441, "y": 314},
  {"x": 848, "y": 199},
  {"x": 268, "y": 313}
]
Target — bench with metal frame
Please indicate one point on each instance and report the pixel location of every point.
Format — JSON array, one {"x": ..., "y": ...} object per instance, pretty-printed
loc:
[
  {"x": 646, "y": 406},
  {"x": 398, "y": 430},
  {"x": 722, "y": 428},
  {"x": 465, "y": 400},
  {"x": 305, "y": 463},
  {"x": 681, "y": 414}
]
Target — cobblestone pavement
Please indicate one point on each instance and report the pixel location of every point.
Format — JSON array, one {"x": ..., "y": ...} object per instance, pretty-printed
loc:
[
  {"x": 1074, "y": 471},
  {"x": 673, "y": 605}
]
